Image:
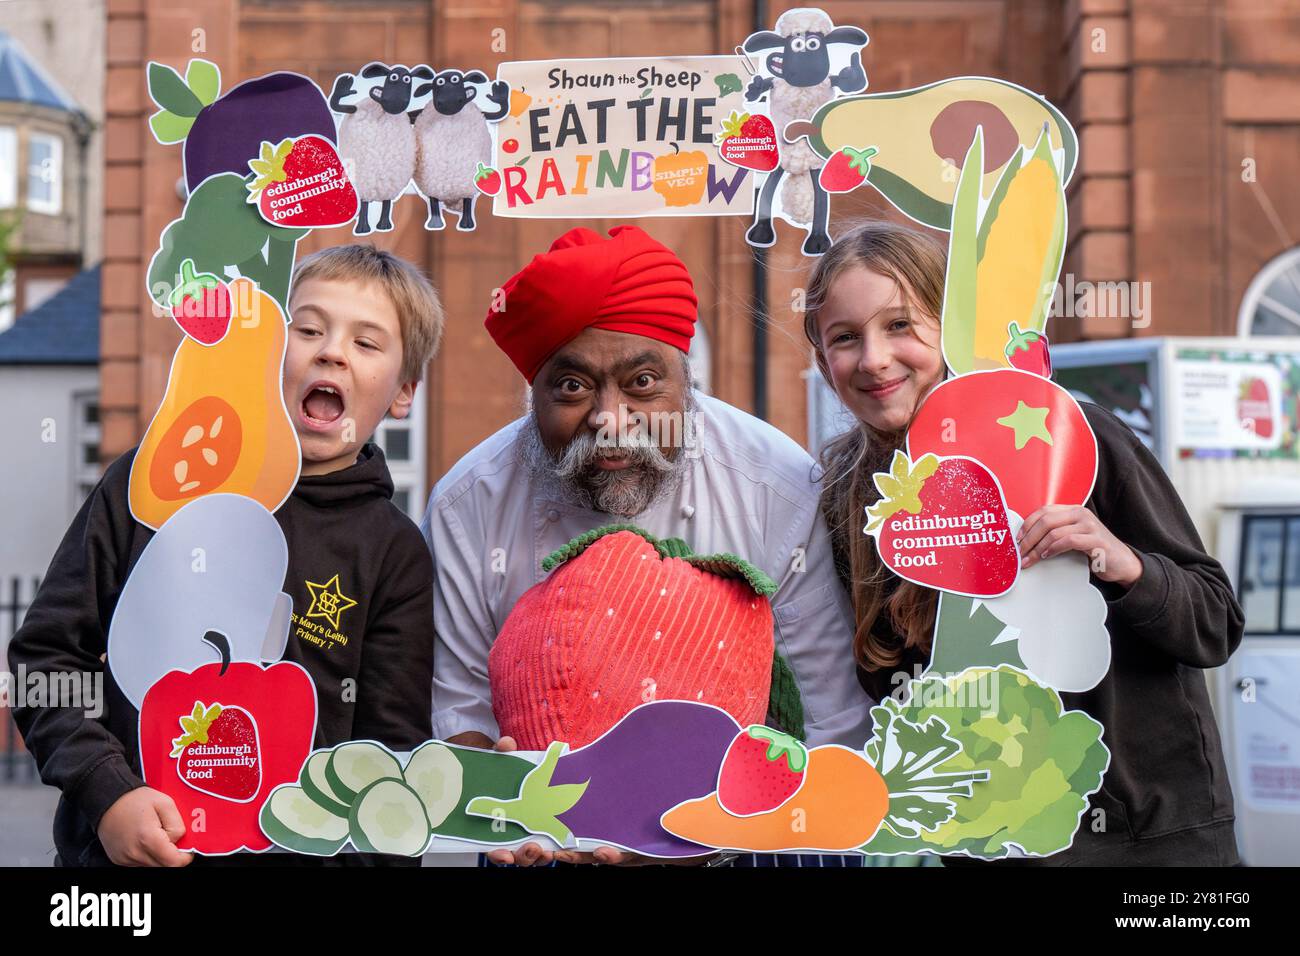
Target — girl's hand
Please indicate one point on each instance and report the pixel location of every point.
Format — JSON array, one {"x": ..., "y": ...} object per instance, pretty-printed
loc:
[{"x": 1055, "y": 529}]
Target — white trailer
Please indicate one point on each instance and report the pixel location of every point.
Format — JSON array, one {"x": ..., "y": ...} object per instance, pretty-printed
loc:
[{"x": 1221, "y": 415}]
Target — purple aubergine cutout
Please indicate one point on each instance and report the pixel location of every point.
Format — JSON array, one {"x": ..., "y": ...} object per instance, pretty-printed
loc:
[
  {"x": 230, "y": 132},
  {"x": 656, "y": 757}
]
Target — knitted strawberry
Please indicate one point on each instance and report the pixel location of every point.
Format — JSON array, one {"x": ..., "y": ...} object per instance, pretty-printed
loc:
[{"x": 626, "y": 619}]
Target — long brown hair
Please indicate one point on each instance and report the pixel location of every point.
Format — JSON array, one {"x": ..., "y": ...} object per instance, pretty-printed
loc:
[{"x": 917, "y": 262}]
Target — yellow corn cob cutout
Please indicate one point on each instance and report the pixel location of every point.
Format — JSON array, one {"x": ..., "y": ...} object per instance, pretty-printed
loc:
[{"x": 1017, "y": 249}]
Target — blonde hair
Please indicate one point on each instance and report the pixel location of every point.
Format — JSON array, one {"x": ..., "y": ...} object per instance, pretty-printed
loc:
[
  {"x": 419, "y": 311},
  {"x": 917, "y": 262}
]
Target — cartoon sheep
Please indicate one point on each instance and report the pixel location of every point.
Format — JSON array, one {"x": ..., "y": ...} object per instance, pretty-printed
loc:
[
  {"x": 376, "y": 138},
  {"x": 452, "y": 140},
  {"x": 799, "y": 84}
]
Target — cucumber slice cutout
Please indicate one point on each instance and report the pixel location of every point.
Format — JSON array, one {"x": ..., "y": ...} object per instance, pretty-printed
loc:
[
  {"x": 435, "y": 774},
  {"x": 296, "y": 822},
  {"x": 313, "y": 783},
  {"x": 356, "y": 765},
  {"x": 388, "y": 817}
]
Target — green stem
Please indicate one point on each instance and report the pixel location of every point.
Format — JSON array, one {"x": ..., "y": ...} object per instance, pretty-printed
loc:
[{"x": 280, "y": 271}]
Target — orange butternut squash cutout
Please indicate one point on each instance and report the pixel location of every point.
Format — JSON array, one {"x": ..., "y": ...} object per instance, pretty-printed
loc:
[{"x": 222, "y": 425}]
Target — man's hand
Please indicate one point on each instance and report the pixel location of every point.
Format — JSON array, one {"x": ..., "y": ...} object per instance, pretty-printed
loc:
[
  {"x": 533, "y": 854},
  {"x": 1055, "y": 529},
  {"x": 141, "y": 829},
  {"x": 611, "y": 856},
  {"x": 530, "y": 854}
]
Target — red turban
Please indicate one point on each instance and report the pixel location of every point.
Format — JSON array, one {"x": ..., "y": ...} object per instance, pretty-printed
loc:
[{"x": 627, "y": 282}]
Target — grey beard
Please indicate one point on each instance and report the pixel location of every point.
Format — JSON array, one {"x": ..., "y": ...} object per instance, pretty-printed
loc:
[{"x": 572, "y": 476}]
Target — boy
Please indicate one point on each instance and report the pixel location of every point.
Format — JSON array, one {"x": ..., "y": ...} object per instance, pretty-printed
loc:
[{"x": 364, "y": 326}]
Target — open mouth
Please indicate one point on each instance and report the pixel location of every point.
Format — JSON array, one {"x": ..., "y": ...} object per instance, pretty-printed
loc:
[{"x": 322, "y": 406}]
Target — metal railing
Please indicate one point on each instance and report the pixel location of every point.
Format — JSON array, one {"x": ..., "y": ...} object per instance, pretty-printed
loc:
[{"x": 16, "y": 764}]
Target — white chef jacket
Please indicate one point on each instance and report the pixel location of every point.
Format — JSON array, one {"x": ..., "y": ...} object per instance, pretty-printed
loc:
[{"x": 748, "y": 490}]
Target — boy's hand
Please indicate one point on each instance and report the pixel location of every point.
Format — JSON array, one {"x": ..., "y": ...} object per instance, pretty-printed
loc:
[
  {"x": 1054, "y": 529},
  {"x": 141, "y": 829}
]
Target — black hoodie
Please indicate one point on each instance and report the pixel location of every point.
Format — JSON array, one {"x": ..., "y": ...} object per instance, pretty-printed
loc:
[
  {"x": 344, "y": 535},
  {"x": 1166, "y": 799}
]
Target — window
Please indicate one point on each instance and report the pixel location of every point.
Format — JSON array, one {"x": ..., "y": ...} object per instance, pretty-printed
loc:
[
  {"x": 827, "y": 416},
  {"x": 8, "y": 167},
  {"x": 700, "y": 358},
  {"x": 86, "y": 464},
  {"x": 1271, "y": 305},
  {"x": 45, "y": 174},
  {"x": 7, "y": 289},
  {"x": 1270, "y": 574},
  {"x": 403, "y": 446},
  {"x": 39, "y": 289}
]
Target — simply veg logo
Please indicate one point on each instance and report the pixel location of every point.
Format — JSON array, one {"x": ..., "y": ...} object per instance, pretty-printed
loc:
[{"x": 77, "y": 909}]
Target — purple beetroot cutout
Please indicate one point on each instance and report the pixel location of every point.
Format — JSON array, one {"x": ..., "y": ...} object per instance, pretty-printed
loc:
[
  {"x": 656, "y": 757},
  {"x": 229, "y": 132}
]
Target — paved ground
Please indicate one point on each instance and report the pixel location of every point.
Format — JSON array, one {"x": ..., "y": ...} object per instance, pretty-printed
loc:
[{"x": 26, "y": 821}]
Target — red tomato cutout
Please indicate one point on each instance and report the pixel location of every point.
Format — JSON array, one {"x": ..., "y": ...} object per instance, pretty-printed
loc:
[{"x": 985, "y": 415}]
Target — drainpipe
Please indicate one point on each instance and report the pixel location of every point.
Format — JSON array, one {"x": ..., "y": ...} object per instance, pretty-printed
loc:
[
  {"x": 81, "y": 128},
  {"x": 760, "y": 284}
]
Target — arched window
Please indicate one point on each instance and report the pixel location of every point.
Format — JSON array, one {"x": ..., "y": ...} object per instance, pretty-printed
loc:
[{"x": 1271, "y": 305}]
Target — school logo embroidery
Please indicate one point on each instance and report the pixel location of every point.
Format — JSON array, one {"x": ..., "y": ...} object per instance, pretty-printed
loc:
[{"x": 328, "y": 601}]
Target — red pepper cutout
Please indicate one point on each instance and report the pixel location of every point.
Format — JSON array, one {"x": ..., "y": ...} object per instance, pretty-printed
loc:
[
  {"x": 1027, "y": 430},
  {"x": 1027, "y": 351},
  {"x": 220, "y": 738}
]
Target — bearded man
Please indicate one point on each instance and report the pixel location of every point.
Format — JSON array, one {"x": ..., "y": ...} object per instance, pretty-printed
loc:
[{"x": 600, "y": 328}]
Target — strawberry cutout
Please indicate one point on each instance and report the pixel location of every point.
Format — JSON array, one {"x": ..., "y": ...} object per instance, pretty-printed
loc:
[
  {"x": 762, "y": 769},
  {"x": 1027, "y": 351},
  {"x": 942, "y": 523},
  {"x": 487, "y": 180},
  {"x": 201, "y": 305},
  {"x": 219, "y": 753},
  {"x": 846, "y": 170},
  {"x": 301, "y": 182},
  {"x": 749, "y": 141}
]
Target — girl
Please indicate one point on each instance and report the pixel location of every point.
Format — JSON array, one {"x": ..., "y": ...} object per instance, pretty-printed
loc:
[{"x": 874, "y": 303}]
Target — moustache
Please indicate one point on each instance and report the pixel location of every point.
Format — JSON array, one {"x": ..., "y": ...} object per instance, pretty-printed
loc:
[{"x": 586, "y": 450}]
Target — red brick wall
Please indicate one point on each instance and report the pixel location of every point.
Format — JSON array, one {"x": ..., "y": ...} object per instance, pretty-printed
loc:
[{"x": 1168, "y": 105}]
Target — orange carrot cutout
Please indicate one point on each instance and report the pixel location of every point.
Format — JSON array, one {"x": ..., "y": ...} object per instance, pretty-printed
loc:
[{"x": 846, "y": 795}]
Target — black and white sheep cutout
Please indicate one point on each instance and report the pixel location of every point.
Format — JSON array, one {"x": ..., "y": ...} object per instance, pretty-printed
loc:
[
  {"x": 376, "y": 136},
  {"x": 799, "y": 83},
  {"x": 415, "y": 130},
  {"x": 452, "y": 141}
]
